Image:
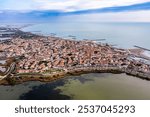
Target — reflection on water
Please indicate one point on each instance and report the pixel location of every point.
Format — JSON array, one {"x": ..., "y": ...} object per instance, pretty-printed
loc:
[
  {"x": 45, "y": 91},
  {"x": 86, "y": 86}
]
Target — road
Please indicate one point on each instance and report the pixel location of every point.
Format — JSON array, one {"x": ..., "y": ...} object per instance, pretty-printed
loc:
[{"x": 8, "y": 71}]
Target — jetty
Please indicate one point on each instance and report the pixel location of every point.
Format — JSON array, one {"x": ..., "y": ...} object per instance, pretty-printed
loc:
[
  {"x": 142, "y": 48},
  {"x": 99, "y": 39}
]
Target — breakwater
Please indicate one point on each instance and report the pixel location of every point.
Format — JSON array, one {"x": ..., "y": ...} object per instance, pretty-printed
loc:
[
  {"x": 142, "y": 48},
  {"x": 109, "y": 69}
]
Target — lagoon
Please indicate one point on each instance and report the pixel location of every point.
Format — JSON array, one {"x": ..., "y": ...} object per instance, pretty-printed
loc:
[{"x": 94, "y": 86}]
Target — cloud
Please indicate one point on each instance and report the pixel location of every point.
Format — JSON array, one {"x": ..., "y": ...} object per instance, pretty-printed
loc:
[
  {"x": 64, "y": 5},
  {"x": 135, "y": 7},
  {"x": 103, "y": 10},
  {"x": 75, "y": 5},
  {"x": 134, "y": 16}
]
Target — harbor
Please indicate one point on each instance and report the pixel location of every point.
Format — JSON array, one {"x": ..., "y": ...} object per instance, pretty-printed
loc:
[{"x": 8, "y": 33}]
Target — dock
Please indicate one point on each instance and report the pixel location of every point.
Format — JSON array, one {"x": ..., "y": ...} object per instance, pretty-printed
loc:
[
  {"x": 142, "y": 48},
  {"x": 99, "y": 40}
]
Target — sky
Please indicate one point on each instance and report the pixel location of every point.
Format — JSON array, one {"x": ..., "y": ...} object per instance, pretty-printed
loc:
[
  {"x": 64, "y": 5},
  {"x": 104, "y": 7}
]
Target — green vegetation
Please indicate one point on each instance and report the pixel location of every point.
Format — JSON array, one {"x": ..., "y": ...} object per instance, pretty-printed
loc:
[
  {"x": 29, "y": 73},
  {"x": 53, "y": 70},
  {"x": 11, "y": 81}
]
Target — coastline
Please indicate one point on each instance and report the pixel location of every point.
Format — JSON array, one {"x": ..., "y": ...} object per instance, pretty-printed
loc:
[
  {"x": 119, "y": 64},
  {"x": 53, "y": 77}
]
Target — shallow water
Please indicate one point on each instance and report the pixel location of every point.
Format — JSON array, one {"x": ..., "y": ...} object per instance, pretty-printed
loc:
[{"x": 86, "y": 86}]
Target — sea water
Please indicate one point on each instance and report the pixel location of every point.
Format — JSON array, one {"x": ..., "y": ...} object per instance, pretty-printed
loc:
[{"x": 124, "y": 35}]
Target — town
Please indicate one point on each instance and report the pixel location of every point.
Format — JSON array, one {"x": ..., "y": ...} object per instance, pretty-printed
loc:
[{"x": 53, "y": 55}]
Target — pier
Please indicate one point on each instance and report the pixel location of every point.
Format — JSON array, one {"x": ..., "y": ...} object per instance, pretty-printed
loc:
[
  {"x": 99, "y": 40},
  {"x": 142, "y": 48}
]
